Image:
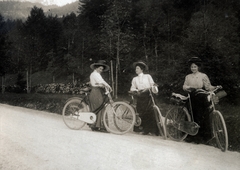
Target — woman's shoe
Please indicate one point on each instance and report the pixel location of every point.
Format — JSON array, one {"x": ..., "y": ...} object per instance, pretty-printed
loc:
[
  {"x": 95, "y": 128},
  {"x": 137, "y": 129},
  {"x": 144, "y": 133},
  {"x": 102, "y": 130}
]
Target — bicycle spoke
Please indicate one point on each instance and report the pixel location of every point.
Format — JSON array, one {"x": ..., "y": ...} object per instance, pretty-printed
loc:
[
  {"x": 172, "y": 120},
  {"x": 120, "y": 118},
  {"x": 71, "y": 113},
  {"x": 220, "y": 131}
]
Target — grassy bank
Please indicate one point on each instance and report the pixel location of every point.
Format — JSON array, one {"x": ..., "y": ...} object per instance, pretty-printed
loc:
[{"x": 54, "y": 103}]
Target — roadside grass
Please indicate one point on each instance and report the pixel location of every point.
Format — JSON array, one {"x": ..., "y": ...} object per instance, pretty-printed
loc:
[{"x": 54, "y": 103}]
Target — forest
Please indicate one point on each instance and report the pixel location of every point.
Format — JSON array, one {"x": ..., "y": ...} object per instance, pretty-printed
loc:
[{"x": 162, "y": 33}]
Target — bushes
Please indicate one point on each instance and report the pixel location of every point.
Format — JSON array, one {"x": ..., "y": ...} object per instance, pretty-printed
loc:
[{"x": 53, "y": 88}]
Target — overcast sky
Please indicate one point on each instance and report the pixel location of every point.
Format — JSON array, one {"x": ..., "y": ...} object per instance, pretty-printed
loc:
[
  {"x": 51, "y": 2},
  {"x": 62, "y": 2}
]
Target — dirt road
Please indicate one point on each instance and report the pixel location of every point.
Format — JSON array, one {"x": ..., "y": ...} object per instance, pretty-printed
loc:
[{"x": 35, "y": 140}]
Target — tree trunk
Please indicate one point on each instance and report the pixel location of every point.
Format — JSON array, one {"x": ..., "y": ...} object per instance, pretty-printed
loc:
[
  {"x": 112, "y": 79},
  {"x": 27, "y": 81},
  {"x": 3, "y": 82},
  {"x": 82, "y": 56},
  {"x": 116, "y": 82},
  {"x": 144, "y": 40},
  {"x": 156, "y": 54},
  {"x": 30, "y": 79},
  {"x": 117, "y": 65},
  {"x": 73, "y": 77}
]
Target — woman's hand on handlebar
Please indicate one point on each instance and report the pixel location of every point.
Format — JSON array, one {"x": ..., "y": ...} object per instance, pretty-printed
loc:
[
  {"x": 134, "y": 93},
  {"x": 105, "y": 86},
  {"x": 189, "y": 89},
  {"x": 219, "y": 87},
  {"x": 109, "y": 89}
]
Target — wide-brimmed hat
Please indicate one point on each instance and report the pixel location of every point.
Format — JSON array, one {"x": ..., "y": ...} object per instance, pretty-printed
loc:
[
  {"x": 100, "y": 63},
  {"x": 195, "y": 60},
  {"x": 140, "y": 63}
]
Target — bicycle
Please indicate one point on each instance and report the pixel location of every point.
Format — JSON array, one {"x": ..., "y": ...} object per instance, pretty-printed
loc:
[
  {"x": 118, "y": 117},
  {"x": 158, "y": 115},
  {"x": 179, "y": 120}
]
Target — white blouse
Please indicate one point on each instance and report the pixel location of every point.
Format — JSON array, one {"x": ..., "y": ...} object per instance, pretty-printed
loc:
[
  {"x": 95, "y": 78},
  {"x": 142, "y": 81}
]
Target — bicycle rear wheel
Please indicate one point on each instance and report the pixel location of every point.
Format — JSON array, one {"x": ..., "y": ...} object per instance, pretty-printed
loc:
[
  {"x": 71, "y": 112},
  {"x": 119, "y": 118},
  {"x": 160, "y": 123},
  {"x": 220, "y": 130},
  {"x": 172, "y": 119}
]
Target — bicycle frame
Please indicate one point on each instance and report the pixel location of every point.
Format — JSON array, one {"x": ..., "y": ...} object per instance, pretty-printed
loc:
[
  {"x": 118, "y": 117},
  {"x": 210, "y": 98},
  {"x": 188, "y": 106},
  {"x": 107, "y": 100},
  {"x": 157, "y": 112}
]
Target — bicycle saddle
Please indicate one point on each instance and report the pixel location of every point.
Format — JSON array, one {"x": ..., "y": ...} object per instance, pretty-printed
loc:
[
  {"x": 86, "y": 89},
  {"x": 177, "y": 95}
]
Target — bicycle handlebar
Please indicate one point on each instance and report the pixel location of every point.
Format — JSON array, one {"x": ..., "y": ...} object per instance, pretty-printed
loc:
[
  {"x": 217, "y": 87},
  {"x": 143, "y": 90},
  {"x": 107, "y": 89},
  {"x": 135, "y": 93},
  {"x": 182, "y": 97}
]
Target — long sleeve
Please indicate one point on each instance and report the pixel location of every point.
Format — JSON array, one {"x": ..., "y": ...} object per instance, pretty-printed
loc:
[
  {"x": 134, "y": 85},
  {"x": 97, "y": 78},
  {"x": 150, "y": 80},
  {"x": 142, "y": 82},
  {"x": 186, "y": 84},
  {"x": 207, "y": 84}
]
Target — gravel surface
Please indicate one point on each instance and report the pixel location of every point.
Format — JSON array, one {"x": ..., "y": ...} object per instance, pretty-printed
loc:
[{"x": 31, "y": 139}]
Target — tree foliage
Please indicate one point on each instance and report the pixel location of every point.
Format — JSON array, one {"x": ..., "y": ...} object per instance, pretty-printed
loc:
[
  {"x": 163, "y": 33},
  {"x": 5, "y": 64}
]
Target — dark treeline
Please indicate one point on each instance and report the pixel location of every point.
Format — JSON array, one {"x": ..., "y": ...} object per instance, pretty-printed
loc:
[{"x": 163, "y": 33}]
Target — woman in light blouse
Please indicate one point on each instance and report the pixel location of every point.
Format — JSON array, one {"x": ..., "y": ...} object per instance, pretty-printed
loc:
[
  {"x": 96, "y": 96},
  {"x": 197, "y": 79},
  {"x": 200, "y": 103},
  {"x": 144, "y": 103}
]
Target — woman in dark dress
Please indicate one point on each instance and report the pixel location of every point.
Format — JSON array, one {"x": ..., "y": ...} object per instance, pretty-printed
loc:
[
  {"x": 195, "y": 83},
  {"x": 144, "y": 103}
]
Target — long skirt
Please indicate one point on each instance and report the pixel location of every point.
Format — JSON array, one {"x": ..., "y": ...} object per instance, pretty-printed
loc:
[
  {"x": 96, "y": 99},
  {"x": 145, "y": 109},
  {"x": 201, "y": 108}
]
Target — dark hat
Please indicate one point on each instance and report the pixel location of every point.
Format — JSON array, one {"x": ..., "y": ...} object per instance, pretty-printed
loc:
[
  {"x": 100, "y": 63},
  {"x": 140, "y": 63},
  {"x": 196, "y": 61}
]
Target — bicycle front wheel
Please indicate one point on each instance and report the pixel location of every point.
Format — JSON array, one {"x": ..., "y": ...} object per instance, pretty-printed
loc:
[
  {"x": 119, "y": 118},
  {"x": 160, "y": 123},
  {"x": 220, "y": 130},
  {"x": 71, "y": 112},
  {"x": 172, "y": 119}
]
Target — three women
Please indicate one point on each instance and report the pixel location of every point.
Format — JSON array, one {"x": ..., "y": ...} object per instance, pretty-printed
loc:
[{"x": 193, "y": 82}]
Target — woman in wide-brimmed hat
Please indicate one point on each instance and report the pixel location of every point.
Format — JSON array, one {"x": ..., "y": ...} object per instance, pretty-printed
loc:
[
  {"x": 144, "y": 103},
  {"x": 96, "y": 97},
  {"x": 193, "y": 84}
]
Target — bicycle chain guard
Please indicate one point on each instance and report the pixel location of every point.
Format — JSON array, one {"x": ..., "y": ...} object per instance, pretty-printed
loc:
[
  {"x": 188, "y": 127},
  {"x": 87, "y": 117}
]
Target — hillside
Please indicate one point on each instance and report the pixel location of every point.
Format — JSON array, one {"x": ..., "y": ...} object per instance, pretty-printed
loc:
[{"x": 20, "y": 10}]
